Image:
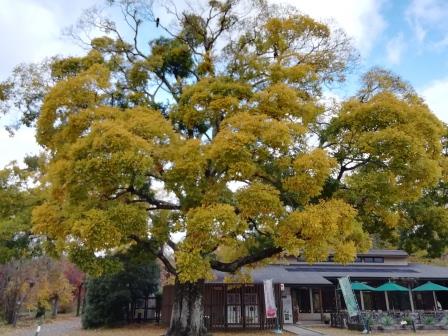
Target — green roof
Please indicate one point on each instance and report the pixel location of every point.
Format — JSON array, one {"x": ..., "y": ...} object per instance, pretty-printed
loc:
[
  {"x": 391, "y": 287},
  {"x": 359, "y": 286},
  {"x": 430, "y": 287}
]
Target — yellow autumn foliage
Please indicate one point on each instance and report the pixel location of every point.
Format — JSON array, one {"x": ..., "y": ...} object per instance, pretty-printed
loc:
[{"x": 219, "y": 158}]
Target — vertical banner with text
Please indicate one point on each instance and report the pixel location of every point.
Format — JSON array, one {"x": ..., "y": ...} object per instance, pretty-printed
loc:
[
  {"x": 349, "y": 296},
  {"x": 269, "y": 299}
]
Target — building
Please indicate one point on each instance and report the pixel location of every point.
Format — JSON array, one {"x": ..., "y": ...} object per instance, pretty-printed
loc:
[{"x": 309, "y": 292}]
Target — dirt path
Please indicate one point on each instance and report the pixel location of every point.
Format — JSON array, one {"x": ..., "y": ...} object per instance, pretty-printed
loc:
[{"x": 63, "y": 327}]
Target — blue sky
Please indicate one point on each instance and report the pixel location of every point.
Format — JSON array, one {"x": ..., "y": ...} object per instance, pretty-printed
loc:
[
  {"x": 414, "y": 42},
  {"x": 409, "y": 37}
]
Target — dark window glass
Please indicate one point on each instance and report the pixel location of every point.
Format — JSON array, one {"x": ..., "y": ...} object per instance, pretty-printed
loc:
[
  {"x": 140, "y": 303},
  {"x": 303, "y": 300},
  {"x": 358, "y": 260},
  {"x": 250, "y": 298},
  {"x": 368, "y": 259},
  {"x": 233, "y": 299},
  {"x": 379, "y": 260}
]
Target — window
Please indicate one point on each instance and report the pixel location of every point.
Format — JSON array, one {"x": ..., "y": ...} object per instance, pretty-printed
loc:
[
  {"x": 368, "y": 259},
  {"x": 250, "y": 298},
  {"x": 233, "y": 299},
  {"x": 379, "y": 260}
]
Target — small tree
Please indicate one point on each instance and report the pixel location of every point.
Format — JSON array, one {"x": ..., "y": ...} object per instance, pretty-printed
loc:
[
  {"x": 31, "y": 283},
  {"x": 17, "y": 198},
  {"x": 17, "y": 284},
  {"x": 77, "y": 279},
  {"x": 108, "y": 298}
]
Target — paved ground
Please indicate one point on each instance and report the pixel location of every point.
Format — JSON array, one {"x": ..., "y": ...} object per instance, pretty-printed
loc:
[
  {"x": 71, "y": 326},
  {"x": 302, "y": 331},
  {"x": 62, "y": 327},
  {"x": 345, "y": 332}
]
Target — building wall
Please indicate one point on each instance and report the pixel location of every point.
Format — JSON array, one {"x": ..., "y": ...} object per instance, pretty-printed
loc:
[{"x": 230, "y": 306}]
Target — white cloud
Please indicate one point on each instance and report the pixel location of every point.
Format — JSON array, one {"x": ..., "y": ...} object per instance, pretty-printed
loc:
[
  {"x": 15, "y": 148},
  {"x": 31, "y": 30},
  {"x": 361, "y": 20},
  {"x": 435, "y": 95},
  {"x": 395, "y": 48},
  {"x": 426, "y": 15}
]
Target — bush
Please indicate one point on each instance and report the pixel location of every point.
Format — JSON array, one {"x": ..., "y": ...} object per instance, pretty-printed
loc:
[
  {"x": 387, "y": 321},
  {"x": 108, "y": 297}
]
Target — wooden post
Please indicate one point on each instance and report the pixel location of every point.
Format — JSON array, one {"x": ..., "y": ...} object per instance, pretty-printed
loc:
[
  {"x": 242, "y": 306},
  {"x": 321, "y": 305},
  {"x": 311, "y": 300},
  {"x": 336, "y": 299},
  {"x": 226, "y": 307}
]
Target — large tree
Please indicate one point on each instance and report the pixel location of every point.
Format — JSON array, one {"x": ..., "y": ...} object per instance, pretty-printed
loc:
[{"x": 212, "y": 148}]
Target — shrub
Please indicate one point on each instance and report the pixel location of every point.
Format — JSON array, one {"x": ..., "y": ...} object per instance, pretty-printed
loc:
[
  {"x": 387, "y": 321},
  {"x": 108, "y": 297},
  {"x": 428, "y": 320}
]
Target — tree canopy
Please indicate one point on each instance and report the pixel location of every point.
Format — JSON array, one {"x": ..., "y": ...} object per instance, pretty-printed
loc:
[
  {"x": 213, "y": 150},
  {"x": 244, "y": 161},
  {"x": 17, "y": 199}
]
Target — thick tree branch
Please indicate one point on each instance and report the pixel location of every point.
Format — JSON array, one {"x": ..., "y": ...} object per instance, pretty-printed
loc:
[
  {"x": 246, "y": 260},
  {"x": 151, "y": 247},
  {"x": 172, "y": 244},
  {"x": 148, "y": 198}
]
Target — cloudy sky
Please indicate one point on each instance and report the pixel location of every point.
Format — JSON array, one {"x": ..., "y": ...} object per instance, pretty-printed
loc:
[{"x": 409, "y": 37}]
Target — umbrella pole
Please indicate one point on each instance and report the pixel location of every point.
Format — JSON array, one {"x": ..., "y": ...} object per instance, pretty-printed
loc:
[
  {"x": 435, "y": 300},
  {"x": 361, "y": 296},
  {"x": 387, "y": 300},
  {"x": 411, "y": 298}
]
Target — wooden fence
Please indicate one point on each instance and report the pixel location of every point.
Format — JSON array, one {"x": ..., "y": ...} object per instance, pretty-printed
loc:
[{"x": 230, "y": 306}]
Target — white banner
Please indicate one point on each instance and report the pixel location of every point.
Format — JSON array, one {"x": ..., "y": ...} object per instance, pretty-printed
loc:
[{"x": 269, "y": 299}]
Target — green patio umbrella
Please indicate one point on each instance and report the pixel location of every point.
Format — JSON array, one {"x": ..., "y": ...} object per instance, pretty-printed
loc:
[
  {"x": 390, "y": 287},
  {"x": 431, "y": 287},
  {"x": 359, "y": 286}
]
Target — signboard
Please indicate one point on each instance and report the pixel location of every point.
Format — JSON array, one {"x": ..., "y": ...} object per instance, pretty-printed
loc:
[
  {"x": 287, "y": 305},
  {"x": 269, "y": 299},
  {"x": 349, "y": 296}
]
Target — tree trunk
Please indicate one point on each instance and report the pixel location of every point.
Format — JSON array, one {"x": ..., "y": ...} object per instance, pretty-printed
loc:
[
  {"x": 54, "y": 311},
  {"x": 187, "y": 317},
  {"x": 10, "y": 309},
  {"x": 78, "y": 304}
]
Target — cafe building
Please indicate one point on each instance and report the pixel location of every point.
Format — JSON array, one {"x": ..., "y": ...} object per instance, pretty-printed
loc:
[{"x": 383, "y": 281}]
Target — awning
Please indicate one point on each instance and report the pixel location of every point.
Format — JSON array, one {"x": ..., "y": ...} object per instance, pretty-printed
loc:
[
  {"x": 430, "y": 287},
  {"x": 391, "y": 287},
  {"x": 359, "y": 286}
]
